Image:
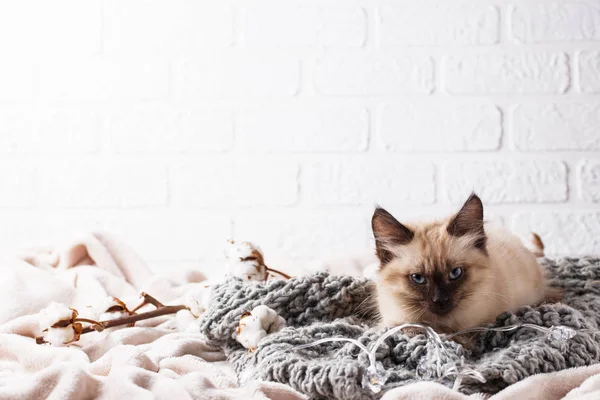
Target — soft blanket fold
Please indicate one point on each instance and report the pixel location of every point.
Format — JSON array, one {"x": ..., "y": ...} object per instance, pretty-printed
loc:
[
  {"x": 161, "y": 358},
  {"x": 320, "y": 306},
  {"x": 153, "y": 360}
]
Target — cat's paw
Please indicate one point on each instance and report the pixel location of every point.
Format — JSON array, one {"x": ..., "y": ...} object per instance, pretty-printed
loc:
[
  {"x": 412, "y": 332},
  {"x": 553, "y": 295},
  {"x": 467, "y": 340}
]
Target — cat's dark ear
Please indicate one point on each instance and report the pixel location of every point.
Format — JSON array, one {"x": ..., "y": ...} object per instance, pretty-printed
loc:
[
  {"x": 388, "y": 232},
  {"x": 469, "y": 221}
]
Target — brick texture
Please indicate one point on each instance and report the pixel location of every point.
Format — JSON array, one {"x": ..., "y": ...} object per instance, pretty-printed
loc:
[
  {"x": 416, "y": 127},
  {"x": 180, "y": 124},
  {"x": 374, "y": 75},
  {"x": 506, "y": 182},
  {"x": 552, "y": 22},
  {"x": 142, "y": 26},
  {"x": 296, "y": 24},
  {"x": 305, "y": 235},
  {"x": 589, "y": 72},
  {"x": 98, "y": 184},
  {"x": 358, "y": 182},
  {"x": 589, "y": 181},
  {"x": 247, "y": 182},
  {"x": 446, "y": 25},
  {"x": 160, "y": 129},
  {"x": 57, "y": 130},
  {"x": 565, "y": 233},
  {"x": 570, "y": 126},
  {"x": 304, "y": 129},
  {"x": 532, "y": 72},
  {"x": 227, "y": 76}
]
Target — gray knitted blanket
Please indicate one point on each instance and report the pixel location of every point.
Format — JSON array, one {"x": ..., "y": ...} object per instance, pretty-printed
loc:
[{"x": 323, "y": 306}]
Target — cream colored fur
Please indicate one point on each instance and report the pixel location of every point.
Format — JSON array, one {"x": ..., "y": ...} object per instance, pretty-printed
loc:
[{"x": 503, "y": 278}]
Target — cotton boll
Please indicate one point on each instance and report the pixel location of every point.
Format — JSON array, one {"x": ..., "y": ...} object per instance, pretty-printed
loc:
[
  {"x": 198, "y": 300},
  {"x": 265, "y": 314},
  {"x": 277, "y": 325},
  {"x": 240, "y": 250},
  {"x": 59, "y": 336},
  {"x": 58, "y": 314},
  {"x": 88, "y": 312},
  {"x": 271, "y": 322},
  {"x": 109, "y": 316},
  {"x": 250, "y": 339},
  {"x": 99, "y": 312},
  {"x": 248, "y": 271},
  {"x": 54, "y": 313},
  {"x": 108, "y": 309},
  {"x": 250, "y": 332},
  {"x": 109, "y": 304},
  {"x": 251, "y": 322},
  {"x": 256, "y": 325},
  {"x": 245, "y": 261}
]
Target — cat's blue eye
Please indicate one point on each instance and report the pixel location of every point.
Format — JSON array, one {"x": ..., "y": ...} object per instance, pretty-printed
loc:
[
  {"x": 418, "y": 279},
  {"x": 455, "y": 273}
]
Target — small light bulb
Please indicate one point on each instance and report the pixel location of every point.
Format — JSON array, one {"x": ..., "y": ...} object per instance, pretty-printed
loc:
[
  {"x": 561, "y": 333},
  {"x": 374, "y": 378}
]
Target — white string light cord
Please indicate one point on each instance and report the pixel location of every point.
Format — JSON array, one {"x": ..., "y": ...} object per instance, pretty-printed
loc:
[{"x": 376, "y": 376}]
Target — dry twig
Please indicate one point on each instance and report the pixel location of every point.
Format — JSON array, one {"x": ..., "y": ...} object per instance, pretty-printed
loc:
[
  {"x": 274, "y": 271},
  {"x": 131, "y": 319}
]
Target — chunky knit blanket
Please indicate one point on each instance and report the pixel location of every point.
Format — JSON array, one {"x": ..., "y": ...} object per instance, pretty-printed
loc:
[{"x": 322, "y": 306}]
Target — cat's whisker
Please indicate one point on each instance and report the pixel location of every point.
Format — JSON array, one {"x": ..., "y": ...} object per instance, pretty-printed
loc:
[
  {"x": 407, "y": 317},
  {"x": 412, "y": 313},
  {"x": 369, "y": 297},
  {"x": 367, "y": 306},
  {"x": 362, "y": 313}
]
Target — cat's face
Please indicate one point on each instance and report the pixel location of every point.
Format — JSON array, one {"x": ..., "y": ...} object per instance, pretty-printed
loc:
[{"x": 430, "y": 272}]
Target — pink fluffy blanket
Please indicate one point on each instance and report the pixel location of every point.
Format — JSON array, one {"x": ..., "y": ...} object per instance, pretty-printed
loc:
[
  {"x": 155, "y": 359},
  {"x": 152, "y": 360}
]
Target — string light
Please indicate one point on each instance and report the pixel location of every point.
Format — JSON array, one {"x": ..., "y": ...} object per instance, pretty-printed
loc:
[{"x": 375, "y": 375}]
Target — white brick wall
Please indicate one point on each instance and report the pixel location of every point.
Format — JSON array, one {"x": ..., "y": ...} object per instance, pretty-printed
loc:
[
  {"x": 179, "y": 124},
  {"x": 506, "y": 181},
  {"x": 589, "y": 72},
  {"x": 299, "y": 25},
  {"x": 522, "y": 72},
  {"x": 373, "y": 74},
  {"x": 439, "y": 25},
  {"x": 423, "y": 126},
  {"x": 553, "y": 22}
]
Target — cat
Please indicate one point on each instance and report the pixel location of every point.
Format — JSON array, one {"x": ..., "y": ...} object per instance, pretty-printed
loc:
[{"x": 453, "y": 274}]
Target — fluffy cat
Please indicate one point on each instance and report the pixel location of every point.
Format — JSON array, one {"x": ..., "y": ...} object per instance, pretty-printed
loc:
[{"x": 453, "y": 274}]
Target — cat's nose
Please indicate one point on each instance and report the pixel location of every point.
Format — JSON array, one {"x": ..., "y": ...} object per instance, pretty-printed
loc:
[
  {"x": 441, "y": 306},
  {"x": 440, "y": 297},
  {"x": 441, "y": 303}
]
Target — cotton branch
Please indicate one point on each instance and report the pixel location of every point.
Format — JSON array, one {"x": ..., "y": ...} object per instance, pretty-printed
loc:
[
  {"x": 274, "y": 271},
  {"x": 164, "y": 310},
  {"x": 98, "y": 326}
]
